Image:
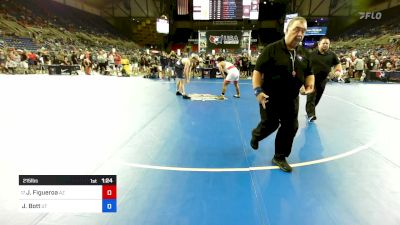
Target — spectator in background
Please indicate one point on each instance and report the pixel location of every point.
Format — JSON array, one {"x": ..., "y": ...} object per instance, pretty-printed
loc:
[
  {"x": 164, "y": 64},
  {"x": 32, "y": 61},
  {"x": 230, "y": 59},
  {"x": 74, "y": 58},
  {"x": 358, "y": 67},
  {"x": 3, "y": 60},
  {"x": 110, "y": 63},
  {"x": 46, "y": 58},
  {"x": 23, "y": 61},
  {"x": 135, "y": 64},
  {"x": 59, "y": 57},
  {"x": 102, "y": 60},
  {"x": 66, "y": 60},
  {"x": 389, "y": 67},
  {"x": 371, "y": 63},
  {"x": 253, "y": 61},
  {"x": 12, "y": 61},
  {"x": 397, "y": 63},
  {"x": 343, "y": 61},
  {"x": 350, "y": 65},
  {"x": 244, "y": 65},
  {"x": 87, "y": 64},
  {"x": 172, "y": 60},
  {"x": 117, "y": 61}
]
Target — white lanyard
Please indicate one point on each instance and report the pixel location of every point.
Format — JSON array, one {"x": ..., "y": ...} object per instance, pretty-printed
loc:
[{"x": 293, "y": 58}]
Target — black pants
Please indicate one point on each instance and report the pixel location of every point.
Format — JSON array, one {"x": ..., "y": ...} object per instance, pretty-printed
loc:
[
  {"x": 102, "y": 67},
  {"x": 313, "y": 98},
  {"x": 281, "y": 114}
]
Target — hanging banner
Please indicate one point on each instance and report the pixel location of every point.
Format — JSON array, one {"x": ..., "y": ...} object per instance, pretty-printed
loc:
[
  {"x": 321, "y": 31},
  {"x": 223, "y": 39}
]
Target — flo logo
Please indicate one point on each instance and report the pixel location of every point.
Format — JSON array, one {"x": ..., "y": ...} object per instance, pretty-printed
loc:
[
  {"x": 216, "y": 40},
  {"x": 370, "y": 15}
]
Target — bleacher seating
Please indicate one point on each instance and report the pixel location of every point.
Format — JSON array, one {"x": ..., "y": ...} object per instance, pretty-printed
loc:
[
  {"x": 390, "y": 23},
  {"x": 19, "y": 43},
  {"x": 67, "y": 17}
]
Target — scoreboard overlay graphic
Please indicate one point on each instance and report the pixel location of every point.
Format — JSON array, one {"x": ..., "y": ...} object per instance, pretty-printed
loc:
[{"x": 68, "y": 193}]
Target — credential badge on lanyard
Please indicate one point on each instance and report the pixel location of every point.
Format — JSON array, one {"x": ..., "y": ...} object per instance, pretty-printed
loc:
[{"x": 293, "y": 59}]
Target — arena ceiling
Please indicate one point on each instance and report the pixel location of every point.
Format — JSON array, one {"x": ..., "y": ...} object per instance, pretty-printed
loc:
[
  {"x": 139, "y": 16},
  {"x": 142, "y": 14},
  {"x": 132, "y": 8},
  {"x": 143, "y": 8},
  {"x": 97, "y": 3}
]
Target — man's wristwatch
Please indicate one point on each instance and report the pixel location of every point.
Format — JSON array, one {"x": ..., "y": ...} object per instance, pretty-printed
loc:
[{"x": 257, "y": 91}]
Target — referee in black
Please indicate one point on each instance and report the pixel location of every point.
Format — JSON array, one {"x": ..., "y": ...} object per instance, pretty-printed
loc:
[
  {"x": 281, "y": 70},
  {"x": 322, "y": 61}
]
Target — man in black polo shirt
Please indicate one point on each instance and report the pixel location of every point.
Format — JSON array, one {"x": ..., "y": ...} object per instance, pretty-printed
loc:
[
  {"x": 281, "y": 70},
  {"x": 322, "y": 61}
]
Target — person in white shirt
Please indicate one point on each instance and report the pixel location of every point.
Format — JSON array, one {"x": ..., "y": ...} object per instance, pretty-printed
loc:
[{"x": 232, "y": 75}]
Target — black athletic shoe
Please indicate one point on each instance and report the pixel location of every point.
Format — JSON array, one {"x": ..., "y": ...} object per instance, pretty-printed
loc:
[
  {"x": 283, "y": 165},
  {"x": 185, "y": 97},
  {"x": 254, "y": 143},
  {"x": 178, "y": 93},
  {"x": 236, "y": 96},
  {"x": 311, "y": 118}
]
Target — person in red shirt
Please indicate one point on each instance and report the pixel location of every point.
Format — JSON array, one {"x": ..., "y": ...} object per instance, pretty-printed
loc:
[{"x": 117, "y": 61}]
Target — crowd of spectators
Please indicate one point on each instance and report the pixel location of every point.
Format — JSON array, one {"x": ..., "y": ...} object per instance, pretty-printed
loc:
[
  {"x": 370, "y": 45},
  {"x": 62, "y": 39},
  {"x": 366, "y": 56}
]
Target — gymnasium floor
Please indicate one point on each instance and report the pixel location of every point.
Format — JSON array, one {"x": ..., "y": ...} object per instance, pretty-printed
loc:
[{"x": 184, "y": 162}]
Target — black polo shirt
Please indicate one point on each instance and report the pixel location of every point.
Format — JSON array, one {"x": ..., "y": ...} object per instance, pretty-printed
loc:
[
  {"x": 322, "y": 63},
  {"x": 276, "y": 66}
]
